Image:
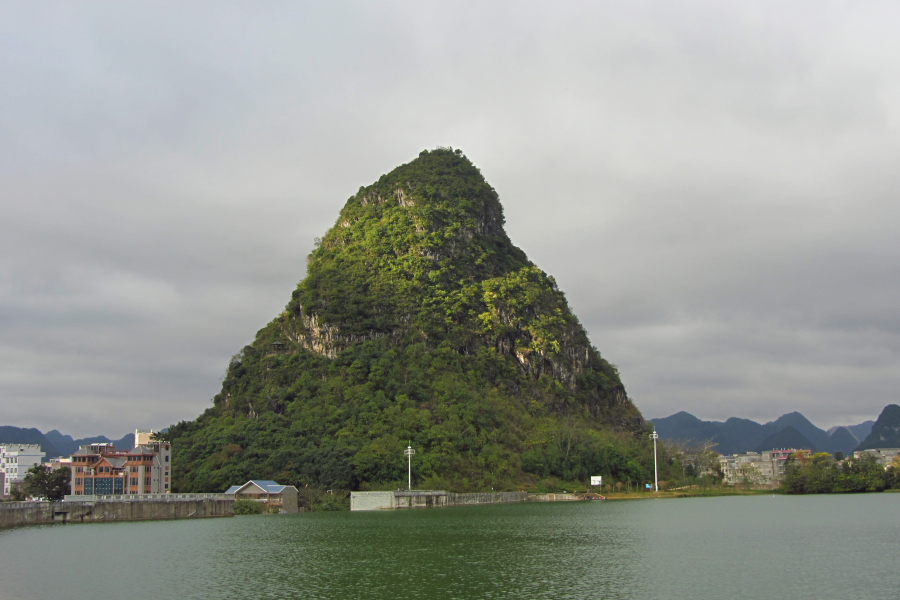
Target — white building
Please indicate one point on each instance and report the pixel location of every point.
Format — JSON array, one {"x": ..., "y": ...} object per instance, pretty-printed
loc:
[
  {"x": 884, "y": 456},
  {"x": 766, "y": 468},
  {"x": 15, "y": 460}
]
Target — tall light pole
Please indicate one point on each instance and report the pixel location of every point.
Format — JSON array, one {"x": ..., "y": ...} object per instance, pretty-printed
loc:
[
  {"x": 409, "y": 454},
  {"x": 654, "y": 436}
]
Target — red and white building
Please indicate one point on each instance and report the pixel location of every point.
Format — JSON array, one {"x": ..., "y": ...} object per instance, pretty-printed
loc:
[{"x": 101, "y": 469}]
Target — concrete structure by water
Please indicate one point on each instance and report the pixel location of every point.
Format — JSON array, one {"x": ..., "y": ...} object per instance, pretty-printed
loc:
[
  {"x": 435, "y": 498},
  {"x": 143, "y": 507}
]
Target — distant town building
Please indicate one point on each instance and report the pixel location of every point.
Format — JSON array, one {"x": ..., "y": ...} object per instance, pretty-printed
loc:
[
  {"x": 766, "y": 468},
  {"x": 282, "y": 498},
  {"x": 101, "y": 469},
  {"x": 143, "y": 438},
  {"x": 883, "y": 455},
  {"x": 15, "y": 460},
  {"x": 57, "y": 463}
]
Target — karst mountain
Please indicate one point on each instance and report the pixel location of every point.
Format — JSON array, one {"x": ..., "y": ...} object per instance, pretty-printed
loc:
[{"x": 418, "y": 322}]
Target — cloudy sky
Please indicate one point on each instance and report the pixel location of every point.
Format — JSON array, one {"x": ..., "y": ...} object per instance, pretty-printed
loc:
[{"x": 714, "y": 185}]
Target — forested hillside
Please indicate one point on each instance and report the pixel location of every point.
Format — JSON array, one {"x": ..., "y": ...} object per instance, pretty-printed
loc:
[{"x": 418, "y": 322}]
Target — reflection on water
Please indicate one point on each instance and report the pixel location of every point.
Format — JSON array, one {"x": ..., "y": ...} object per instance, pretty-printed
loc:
[{"x": 747, "y": 547}]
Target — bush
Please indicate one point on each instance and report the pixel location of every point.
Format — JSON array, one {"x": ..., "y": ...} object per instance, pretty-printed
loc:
[{"x": 248, "y": 507}]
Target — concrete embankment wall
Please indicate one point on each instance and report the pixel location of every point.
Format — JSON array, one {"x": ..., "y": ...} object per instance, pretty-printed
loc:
[
  {"x": 429, "y": 499},
  {"x": 552, "y": 497},
  {"x": 36, "y": 513},
  {"x": 436, "y": 498}
]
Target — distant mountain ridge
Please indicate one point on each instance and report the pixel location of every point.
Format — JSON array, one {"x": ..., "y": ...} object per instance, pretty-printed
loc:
[
  {"x": 21, "y": 435},
  {"x": 736, "y": 435},
  {"x": 67, "y": 445},
  {"x": 54, "y": 443},
  {"x": 789, "y": 437},
  {"x": 860, "y": 432}
]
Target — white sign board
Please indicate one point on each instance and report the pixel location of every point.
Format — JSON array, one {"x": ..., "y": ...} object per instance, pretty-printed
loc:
[{"x": 596, "y": 480}]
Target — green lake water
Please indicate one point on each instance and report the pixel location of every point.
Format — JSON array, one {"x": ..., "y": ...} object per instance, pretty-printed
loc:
[{"x": 814, "y": 547}]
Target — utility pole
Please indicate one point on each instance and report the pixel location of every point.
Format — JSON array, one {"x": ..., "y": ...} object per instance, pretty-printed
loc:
[
  {"x": 409, "y": 454},
  {"x": 654, "y": 436}
]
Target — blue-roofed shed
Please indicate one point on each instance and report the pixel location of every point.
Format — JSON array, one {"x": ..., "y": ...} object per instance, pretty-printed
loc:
[{"x": 280, "y": 498}]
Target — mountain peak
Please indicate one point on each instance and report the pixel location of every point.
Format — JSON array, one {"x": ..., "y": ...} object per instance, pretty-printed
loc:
[
  {"x": 417, "y": 316},
  {"x": 789, "y": 437},
  {"x": 886, "y": 430}
]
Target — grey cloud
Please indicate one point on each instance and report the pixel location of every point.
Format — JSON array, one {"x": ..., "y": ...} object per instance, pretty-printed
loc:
[{"x": 714, "y": 186}]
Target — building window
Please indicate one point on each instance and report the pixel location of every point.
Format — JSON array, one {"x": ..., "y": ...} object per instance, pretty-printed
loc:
[{"x": 167, "y": 486}]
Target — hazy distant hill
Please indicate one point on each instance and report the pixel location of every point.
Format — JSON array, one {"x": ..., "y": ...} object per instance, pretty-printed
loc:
[
  {"x": 789, "y": 437},
  {"x": 840, "y": 440},
  {"x": 860, "y": 431},
  {"x": 54, "y": 443},
  {"x": 743, "y": 435},
  {"x": 819, "y": 438},
  {"x": 20, "y": 435},
  {"x": 67, "y": 445},
  {"x": 886, "y": 430}
]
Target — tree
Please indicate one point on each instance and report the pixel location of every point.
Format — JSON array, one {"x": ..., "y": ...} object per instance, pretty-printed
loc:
[
  {"x": 751, "y": 474},
  {"x": 697, "y": 461},
  {"x": 892, "y": 474},
  {"x": 42, "y": 482},
  {"x": 161, "y": 436},
  {"x": 248, "y": 507}
]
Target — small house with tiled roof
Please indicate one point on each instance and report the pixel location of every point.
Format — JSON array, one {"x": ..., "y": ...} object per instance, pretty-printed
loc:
[{"x": 277, "y": 497}]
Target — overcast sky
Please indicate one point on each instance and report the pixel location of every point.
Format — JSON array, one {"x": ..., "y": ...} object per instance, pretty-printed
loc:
[{"x": 714, "y": 185}]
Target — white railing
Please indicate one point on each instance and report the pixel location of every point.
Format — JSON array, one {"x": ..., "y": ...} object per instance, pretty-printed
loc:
[{"x": 148, "y": 497}]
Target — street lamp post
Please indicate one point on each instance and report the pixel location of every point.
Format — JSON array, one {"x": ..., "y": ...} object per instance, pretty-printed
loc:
[
  {"x": 409, "y": 454},
  {"x": 655, "y": 436}
]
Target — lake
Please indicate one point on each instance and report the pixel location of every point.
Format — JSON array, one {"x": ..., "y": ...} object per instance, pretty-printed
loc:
[{"x": 794, "y": 547}]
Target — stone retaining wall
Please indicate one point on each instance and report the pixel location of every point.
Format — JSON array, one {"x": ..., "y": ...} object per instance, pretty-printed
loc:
[{"x": 85, "y": 511}]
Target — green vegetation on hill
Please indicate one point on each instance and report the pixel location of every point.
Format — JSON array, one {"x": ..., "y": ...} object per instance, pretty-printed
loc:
[{"x": 418, "y": 322}]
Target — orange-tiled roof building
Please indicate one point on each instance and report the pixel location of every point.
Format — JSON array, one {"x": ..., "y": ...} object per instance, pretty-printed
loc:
[{"x": 101, "y": 469}]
